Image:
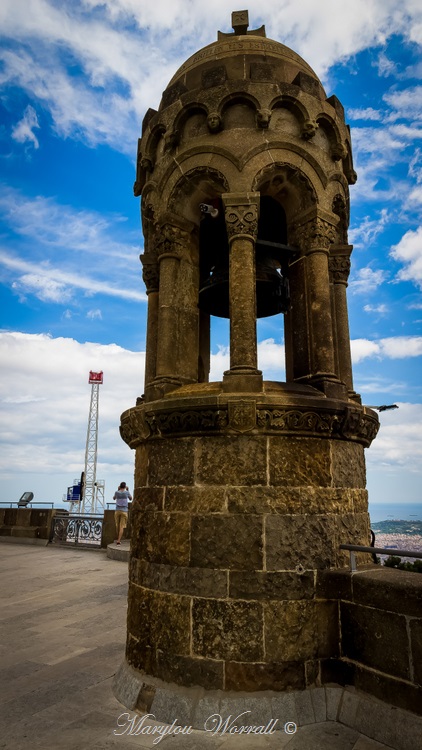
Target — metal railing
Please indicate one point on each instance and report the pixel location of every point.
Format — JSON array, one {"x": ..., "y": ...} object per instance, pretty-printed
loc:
[
  {"x": 352, "y": 548},
  {"x": 28, "y": 505},
  {"x": 82, "y": 531}
]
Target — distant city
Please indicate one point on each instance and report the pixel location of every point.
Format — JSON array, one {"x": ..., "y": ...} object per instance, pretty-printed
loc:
[{"x": 398, "y": 534}]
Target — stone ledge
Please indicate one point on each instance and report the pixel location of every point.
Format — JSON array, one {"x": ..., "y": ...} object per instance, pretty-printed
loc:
[
  {"x": 192, "y": 706},
  {"x": 119, "y": 551}
]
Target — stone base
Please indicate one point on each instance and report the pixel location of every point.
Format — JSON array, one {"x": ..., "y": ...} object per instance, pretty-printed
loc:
[
  {"x": 201, "y": 709},
  {"x": 119, "y": 551}
]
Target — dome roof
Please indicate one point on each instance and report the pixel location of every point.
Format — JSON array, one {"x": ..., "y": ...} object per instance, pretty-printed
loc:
[{"x": 249, "y": 56}]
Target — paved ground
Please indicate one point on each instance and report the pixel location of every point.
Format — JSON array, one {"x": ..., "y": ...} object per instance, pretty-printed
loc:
[{"x": 63, "y": 629}]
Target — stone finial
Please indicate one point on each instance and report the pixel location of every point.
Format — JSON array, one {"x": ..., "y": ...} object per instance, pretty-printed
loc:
[{"x": 240, "y": 21}]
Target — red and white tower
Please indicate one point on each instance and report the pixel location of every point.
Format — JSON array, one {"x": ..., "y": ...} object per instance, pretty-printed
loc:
[{"x": 92, "y": 492}]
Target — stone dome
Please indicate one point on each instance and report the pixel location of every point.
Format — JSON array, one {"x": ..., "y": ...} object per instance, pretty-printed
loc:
[{"x": 250, "y": 57}]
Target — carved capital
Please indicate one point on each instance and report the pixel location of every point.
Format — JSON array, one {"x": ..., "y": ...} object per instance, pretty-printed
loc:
[
  {"x": 150, "y": 275},
  {"x": 315, "y": 234},
  {"x": 241, "y": 212},
  {"x": 173, "y": 240},
  {"x": 339, "y": 268},
  {"x": 133, "y": 427}
]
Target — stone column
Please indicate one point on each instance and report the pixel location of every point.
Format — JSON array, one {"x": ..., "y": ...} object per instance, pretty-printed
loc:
[
  {"x": 339, "y": 267},
  {"x": 241, "y": 213},
  {"x": 151, "y": 279},
  {"x": 170, "y": 250},
  {"x": 312, "y": 300}
]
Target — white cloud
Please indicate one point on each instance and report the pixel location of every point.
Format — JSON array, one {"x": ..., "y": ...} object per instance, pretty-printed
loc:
[
  {"x": 94, "y": 314},
  {"x": 397, "y": 347},
  {"x": 42, "y": 437},
  {"x": 368, "y": 230},
  {"x": 366, "y": 281},
  {"x": 405, "y": 103},
  {"x": 385, "y": 66},
  {"x": 367, "y": 113},
  {"x": 409, "y": 252},
  {"x": 398, "y": 443},
  {"x": 128, "y": 50},
  {"x": 55, "y": 285},
  {"x": 380, "y": 309},
  {"x": 23, "y": 130}
]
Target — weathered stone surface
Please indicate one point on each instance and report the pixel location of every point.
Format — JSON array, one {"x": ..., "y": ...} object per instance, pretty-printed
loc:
[
  {"x": 348, "y": 464},
  {"x": 232, "y": 461},
  {"x": 379, "y": 642},
  {"x": 161, "y": 537},
  {"x": 300, "y": 630},
  {"x": 159, "y": 621},
  {"x": 227, "y": 630},
  {"x": 300, "y": 462},
  {"x": 389, "y": 589},
  {"x": 171, "y": 461},
  {"x": 416, "y": 648},
  {"x": 205, "y": 582},
  {"x": 267, "y": 585},
  {"x": 227, "y": 542},
  {"x": 264, "y": 499},
  {"x": 306, "y": 540},
  {"x": 148, "y": 498},
  {"x": 190, "y": 671},
  {"x": 196, "y": 500},
  {"x": 264, "y": 676}
]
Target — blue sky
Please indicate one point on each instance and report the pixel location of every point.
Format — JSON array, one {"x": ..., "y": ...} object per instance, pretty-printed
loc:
[{"x": 75, "y": 81}]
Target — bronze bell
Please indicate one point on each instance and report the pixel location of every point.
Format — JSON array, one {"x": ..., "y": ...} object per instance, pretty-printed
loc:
[{"x": 271, "y": 261}]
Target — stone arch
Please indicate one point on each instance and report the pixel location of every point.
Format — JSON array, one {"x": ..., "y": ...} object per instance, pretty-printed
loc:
[
  {"x": 191, "y": 122},
  {"x": 288, "y": 185},
  {"x": 328, "y": 137},
  {"x": 155, "y": 143},
  {"x": 199, "y": 185},
  {"x": 239, "y": 111}
]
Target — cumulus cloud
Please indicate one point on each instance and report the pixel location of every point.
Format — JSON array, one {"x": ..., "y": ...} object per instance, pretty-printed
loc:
[
  {"x": 366, "y": 280},
  {"x": 380, "y": 309},
  {"x": 23, "y": 131},
  {"x": 86, "y": 240},
  {"x": 368, "y": 230},
  {"x": 409, "y": 252},
  {"x": 398, "y": 347},
  {"x": 128, "y": 50},
  {"x": 398, "y": 443},
  {"x": 45, "y": 402}
]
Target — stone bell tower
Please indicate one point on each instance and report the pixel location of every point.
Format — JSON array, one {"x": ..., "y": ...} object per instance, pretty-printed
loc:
[{"x": 244, "y": 489}]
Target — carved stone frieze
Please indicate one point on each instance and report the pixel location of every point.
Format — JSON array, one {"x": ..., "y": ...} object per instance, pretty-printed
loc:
[
  {"x": 295, "y": 420},
  {"x": 242, "y": 415},
  {"x": 359, "y": 423},
  {"x": 352, "y": 424},
  {"x": 133, "y": 427},
  {"x": 191, "y": 420}
]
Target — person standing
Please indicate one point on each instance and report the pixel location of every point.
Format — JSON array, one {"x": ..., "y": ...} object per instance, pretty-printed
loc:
[{"x": 122, "y": 497}]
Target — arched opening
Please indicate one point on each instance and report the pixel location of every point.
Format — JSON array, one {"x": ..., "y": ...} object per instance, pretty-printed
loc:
[{"x": 271, "y": 255}]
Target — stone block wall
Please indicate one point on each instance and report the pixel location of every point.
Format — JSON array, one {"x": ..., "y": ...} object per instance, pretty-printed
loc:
[
  {"x": 228, "y": 534},
  {"x": 380, "y": 622},
  {"x": 26, "y": 523}
]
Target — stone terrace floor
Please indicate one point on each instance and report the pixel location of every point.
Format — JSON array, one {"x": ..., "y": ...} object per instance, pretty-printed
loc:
[{"x": 63, "y": 629}]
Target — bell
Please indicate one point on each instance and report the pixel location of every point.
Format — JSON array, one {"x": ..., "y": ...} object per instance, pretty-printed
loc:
[{"x": 271, "y": 263}]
